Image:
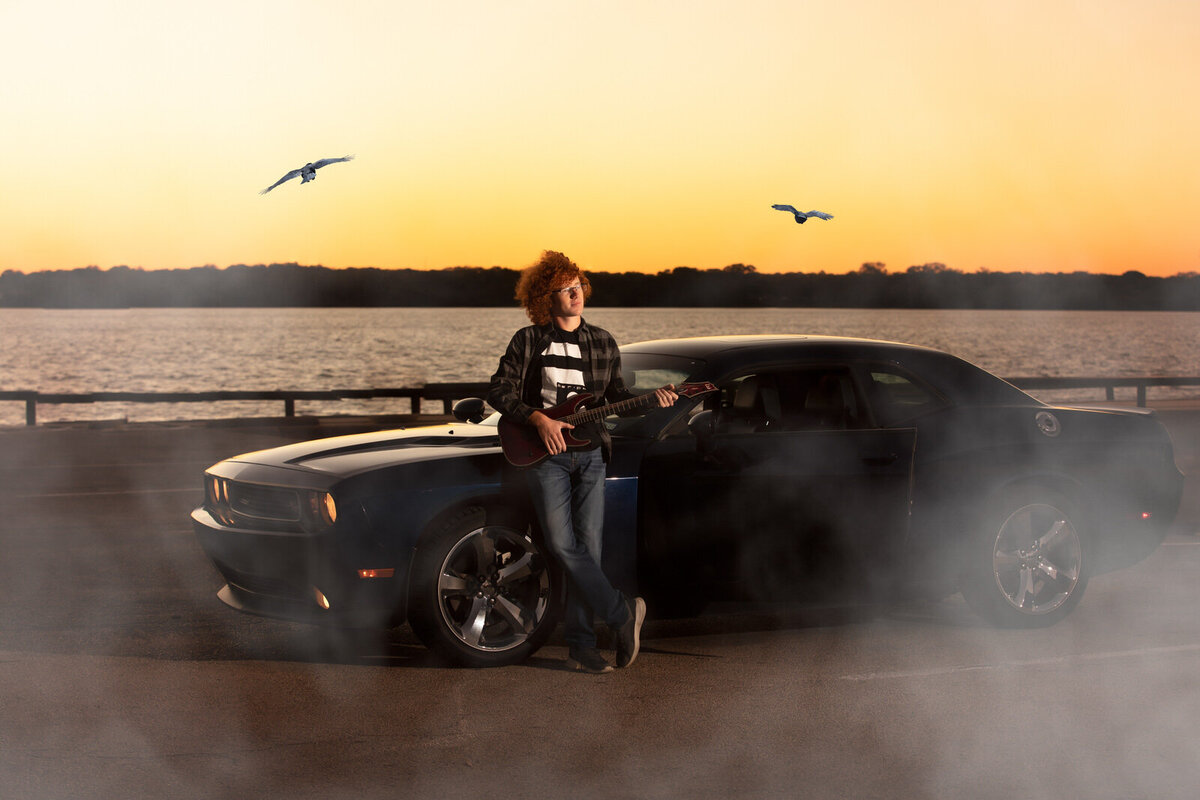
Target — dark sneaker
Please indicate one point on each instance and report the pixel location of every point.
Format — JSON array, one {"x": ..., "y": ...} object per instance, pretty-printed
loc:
[
  {"x": 587, "y": 659},
  {"x": 629, "y": 635}
]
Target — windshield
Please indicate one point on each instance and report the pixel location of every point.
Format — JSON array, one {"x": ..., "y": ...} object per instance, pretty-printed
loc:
[{"x": 645, "y": 372}]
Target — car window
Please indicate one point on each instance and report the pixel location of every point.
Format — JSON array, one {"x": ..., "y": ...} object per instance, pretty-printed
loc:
[
  {"x": 803, "y": 399},
  {"x": 896, "y": 398},
  {"x": 819, "y": 399}
]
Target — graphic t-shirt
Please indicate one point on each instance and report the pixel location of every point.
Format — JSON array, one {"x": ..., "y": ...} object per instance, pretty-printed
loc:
[
  {"x": 563, "y": 375},
  {"x": 562, "y": 368}
]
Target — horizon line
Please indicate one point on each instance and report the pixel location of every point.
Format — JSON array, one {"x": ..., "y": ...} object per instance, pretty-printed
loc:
[{"x": 932, "y": 266}]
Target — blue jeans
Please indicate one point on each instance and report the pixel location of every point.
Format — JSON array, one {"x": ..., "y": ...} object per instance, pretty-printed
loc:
[{"x": 568, "y": 495}]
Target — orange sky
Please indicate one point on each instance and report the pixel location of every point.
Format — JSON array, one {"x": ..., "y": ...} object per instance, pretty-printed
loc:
[{"x": 1044, "y": 136}]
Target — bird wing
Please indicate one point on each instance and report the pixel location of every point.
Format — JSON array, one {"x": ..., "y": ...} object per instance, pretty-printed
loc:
[
  {"x": 287, "y": 177},
  {"x": 324, "y": 162},
  {"x": 782, "y": 207},
  {"x": 820, "y": 214}
]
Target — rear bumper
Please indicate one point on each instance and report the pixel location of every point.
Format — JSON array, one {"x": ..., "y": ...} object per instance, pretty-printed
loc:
[{"x": 1133, "y": 525}]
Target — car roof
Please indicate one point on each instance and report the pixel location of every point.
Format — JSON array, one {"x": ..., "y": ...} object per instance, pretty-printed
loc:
[
  {"x": 782, "y": 344},
  {"x": 952, "y": 375}
]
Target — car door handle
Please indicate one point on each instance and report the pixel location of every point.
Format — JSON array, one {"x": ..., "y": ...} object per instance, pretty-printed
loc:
[{"x": 880, "y": 461}]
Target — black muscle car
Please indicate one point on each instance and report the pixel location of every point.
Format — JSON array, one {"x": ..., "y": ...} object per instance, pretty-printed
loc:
[{"x": 824, "y": 469}]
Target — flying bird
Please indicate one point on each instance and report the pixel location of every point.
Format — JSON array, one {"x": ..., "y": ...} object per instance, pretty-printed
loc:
[
  {"x": 307, "y": 172},
  {"x": 800, "y": 215}
]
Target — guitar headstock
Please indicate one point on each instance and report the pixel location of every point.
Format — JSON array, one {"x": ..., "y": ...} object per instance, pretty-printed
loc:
[{"x": 695, "y": 389}]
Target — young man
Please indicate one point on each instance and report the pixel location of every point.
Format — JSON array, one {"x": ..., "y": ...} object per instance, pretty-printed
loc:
[{"x": 557, "y": 356}]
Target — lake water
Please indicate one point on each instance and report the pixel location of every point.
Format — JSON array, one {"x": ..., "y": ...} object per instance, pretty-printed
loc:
[{"x": 191, "y": 350}]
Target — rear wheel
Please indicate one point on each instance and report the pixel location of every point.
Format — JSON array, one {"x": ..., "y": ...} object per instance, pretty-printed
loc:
[
  {"x": 483, "y": 592},
  {"x": 1028, "y": 566}
]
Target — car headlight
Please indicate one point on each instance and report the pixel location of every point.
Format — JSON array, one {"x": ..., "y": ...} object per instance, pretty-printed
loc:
[
  {"x": 323, "y": 507},
  {"x": 216, "y": 492},
  {"x": 215, "y": 489}
]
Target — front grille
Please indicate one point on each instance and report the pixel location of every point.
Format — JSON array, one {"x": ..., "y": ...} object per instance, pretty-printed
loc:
[{"x": 264, "y": 502}]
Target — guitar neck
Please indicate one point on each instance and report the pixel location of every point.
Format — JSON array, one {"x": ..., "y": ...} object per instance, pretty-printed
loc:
[{"x": 596, "y": 414}]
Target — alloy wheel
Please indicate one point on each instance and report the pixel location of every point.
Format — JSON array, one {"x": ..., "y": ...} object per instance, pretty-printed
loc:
[
  {"x": 494, "y": 588},
  {"x": 1037, "y": 559}
]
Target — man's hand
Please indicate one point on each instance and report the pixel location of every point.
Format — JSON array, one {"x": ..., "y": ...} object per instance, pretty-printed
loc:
[
  {"x": 550, "y": 432},
  {"x": 666, "y": 395}
]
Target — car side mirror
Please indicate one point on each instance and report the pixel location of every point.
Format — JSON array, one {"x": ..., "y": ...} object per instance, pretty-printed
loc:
[{"x": 469, "y": 409}]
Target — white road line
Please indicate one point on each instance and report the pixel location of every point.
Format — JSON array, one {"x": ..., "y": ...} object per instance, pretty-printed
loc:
[{"x": 1037, "y": 662}]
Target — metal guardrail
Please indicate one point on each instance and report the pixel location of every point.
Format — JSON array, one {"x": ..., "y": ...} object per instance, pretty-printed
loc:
[
  {"x": 446, "y": 392},
  {"x": 449, "y": 392},
  {"x": 1108, "y": 384}
]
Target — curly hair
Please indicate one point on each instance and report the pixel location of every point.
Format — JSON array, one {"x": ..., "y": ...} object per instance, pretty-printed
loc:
[{"x": 539, "y": 279}]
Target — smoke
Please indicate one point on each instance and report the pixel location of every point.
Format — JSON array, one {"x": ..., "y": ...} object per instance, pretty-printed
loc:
[{"x": 121, "y": 674}]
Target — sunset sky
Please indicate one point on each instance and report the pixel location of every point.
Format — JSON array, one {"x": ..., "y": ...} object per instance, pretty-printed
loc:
[{"x": 631, "y": 134}]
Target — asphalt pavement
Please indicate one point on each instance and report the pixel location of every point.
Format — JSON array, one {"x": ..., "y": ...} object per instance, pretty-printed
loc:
[{"x": 122, "y": 675}]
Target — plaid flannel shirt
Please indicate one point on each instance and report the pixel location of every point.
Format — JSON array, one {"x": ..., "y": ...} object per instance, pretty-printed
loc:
[{"x": 516, "y": 385}]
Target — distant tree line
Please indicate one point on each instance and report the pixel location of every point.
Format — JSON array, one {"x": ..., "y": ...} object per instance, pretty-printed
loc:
[{"x": 737, "y": 285}]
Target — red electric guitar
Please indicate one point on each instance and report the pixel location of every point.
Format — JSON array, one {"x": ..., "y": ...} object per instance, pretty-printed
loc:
[{"x": 523, "y": 447}]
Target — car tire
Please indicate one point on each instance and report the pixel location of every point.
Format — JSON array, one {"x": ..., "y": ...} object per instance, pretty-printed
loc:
[
  {"x": 483, "y": 594},
  {"x": 1028, "y": 564}
]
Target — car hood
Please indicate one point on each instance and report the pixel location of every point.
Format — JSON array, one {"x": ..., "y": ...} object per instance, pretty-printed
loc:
[{"x": 344, "y": 456}]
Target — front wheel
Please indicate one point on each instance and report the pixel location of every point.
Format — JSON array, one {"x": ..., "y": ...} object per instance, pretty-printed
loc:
[
  {"x": 483, "y": 592},
  {"x": 1027, "y": 567}
]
